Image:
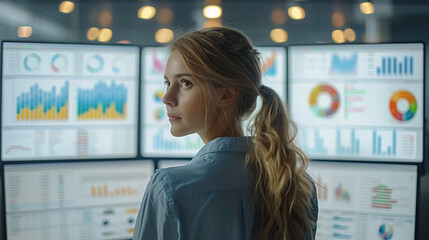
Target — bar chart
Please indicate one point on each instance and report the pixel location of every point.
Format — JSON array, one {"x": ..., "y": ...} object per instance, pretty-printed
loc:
[
  {"x": 377, "y": 143},
  {"x": 382, "y": 197},
  {"x": 392, "y": 65},
  {"x": 102, "y": 102},
  {"x": 100, "y": 191},
  {"x": 168, "y": 143},
  {"x": 40, "y": 104},
  {"x": 343, "y": 64}
]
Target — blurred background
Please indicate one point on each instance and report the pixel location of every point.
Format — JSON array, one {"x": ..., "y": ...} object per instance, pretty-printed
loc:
[{"x": 268, "y": 22}]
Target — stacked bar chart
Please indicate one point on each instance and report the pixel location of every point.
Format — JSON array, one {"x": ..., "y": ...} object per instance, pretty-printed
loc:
[
  {"x": 39, "y": 104},
  {"x": 382, "y": 197},
  {"x": 102, "y": 102},
  {"x": 396, "y": 66}
]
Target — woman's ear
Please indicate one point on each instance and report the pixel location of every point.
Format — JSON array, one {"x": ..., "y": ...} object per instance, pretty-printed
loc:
[{"x": 228, "y": 97}]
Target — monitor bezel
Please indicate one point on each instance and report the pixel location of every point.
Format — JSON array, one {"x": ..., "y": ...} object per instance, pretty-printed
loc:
[{"x": 64, "y": 159}]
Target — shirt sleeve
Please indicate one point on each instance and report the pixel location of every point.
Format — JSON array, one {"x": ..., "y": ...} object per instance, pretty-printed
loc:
[{"x": 156, "y": 218}]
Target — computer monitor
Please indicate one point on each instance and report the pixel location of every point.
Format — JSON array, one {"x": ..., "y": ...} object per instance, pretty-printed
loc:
[
  {"x": 69, "y": 101},
  {"x": 358, "y": 102},
  {"x": 74, "y": 200},
  {"x": 157, "y": 140},
  {"x": 365, "y": 201}
]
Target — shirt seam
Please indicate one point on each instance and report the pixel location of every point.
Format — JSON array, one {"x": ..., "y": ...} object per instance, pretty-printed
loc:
[
  {"x": 214, "y": 151},
  {"x": 209, "y": 192},
  {"x": 170, "y": 199}
]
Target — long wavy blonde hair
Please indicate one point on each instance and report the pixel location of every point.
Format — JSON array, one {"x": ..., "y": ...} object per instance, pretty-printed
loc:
[{"x": 225, "y": 57}]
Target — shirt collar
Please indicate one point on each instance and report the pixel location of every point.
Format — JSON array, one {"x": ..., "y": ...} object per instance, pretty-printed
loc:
[{"x": 226, "y": 144}]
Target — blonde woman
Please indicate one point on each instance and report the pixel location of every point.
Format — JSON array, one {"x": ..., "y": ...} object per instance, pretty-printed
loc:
[{"x": 236, "y": 187}]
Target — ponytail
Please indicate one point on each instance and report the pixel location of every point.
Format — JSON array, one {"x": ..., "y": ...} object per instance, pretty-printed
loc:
[{"x": 283, "y": 190}]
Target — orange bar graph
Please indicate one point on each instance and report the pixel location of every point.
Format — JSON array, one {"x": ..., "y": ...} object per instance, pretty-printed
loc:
[
  {"x": 37, "y": 114},
  {"x": 106, "y": 191},
  {"x": 110, "y": 113}
]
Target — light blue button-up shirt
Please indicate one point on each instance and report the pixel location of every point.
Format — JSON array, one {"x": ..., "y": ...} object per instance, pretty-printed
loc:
[{"x": 210, "y": 198}]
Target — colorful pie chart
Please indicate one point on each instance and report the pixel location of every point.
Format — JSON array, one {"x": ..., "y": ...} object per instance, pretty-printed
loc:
[
  {"x": 403, "y": 105},
  {"x": 330, "y": 95},
  {"x": 385, "y": 232}
]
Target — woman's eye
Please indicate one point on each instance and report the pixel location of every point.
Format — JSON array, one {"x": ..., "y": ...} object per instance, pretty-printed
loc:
[
  {"x": 186, "y": 83},
  {"x": 166, "y": 84}
]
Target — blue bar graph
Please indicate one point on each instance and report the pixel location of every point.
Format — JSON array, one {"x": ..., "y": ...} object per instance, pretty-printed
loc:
[
  {"x": 343, "y": 65},
  {"x": 377, "y": 145},
  {"x": 318, "y": 144},
  {"x": 354, "y": 148},
  {"x": 395, "y": 66},
  {"x": 102, "y": 101},
  {"x": 189, "y": 143},
  {"x": 160, "y": 143}
]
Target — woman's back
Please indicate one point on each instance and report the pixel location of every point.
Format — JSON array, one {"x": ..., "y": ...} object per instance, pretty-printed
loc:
[{"x": 210, "y": 198}]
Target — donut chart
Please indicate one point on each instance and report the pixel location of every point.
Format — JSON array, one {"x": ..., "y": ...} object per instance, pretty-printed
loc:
[
  {"x": 119, "y": 64},
  {"x": 385, "y": 232},
  {"x": 334, "y": 97},
  {"x": 58, "y": 62},
  {"x": 32, "y": 62},
  {"x": 95, "y": 64},
  {"x": 412, "y": 103}
]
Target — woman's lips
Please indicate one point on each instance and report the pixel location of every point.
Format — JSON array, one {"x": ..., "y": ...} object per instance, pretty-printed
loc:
[{"x": 173, "y": 117}]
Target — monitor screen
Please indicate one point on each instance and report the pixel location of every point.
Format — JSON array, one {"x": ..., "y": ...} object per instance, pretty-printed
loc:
[
  {"x": 69, "y": 101},
  {"x": 157, "y": 140},
  {"x": 358, "y": 102},
  {"x": 365, "y": 201},
  {"x": 79, "y": 200}
]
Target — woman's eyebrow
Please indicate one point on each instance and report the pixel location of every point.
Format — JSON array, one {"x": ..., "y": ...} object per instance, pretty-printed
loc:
[{"x": 179, "y": 75}]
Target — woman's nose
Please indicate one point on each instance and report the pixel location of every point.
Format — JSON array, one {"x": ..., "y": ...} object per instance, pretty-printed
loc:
[{"x": 169, "y": 98}]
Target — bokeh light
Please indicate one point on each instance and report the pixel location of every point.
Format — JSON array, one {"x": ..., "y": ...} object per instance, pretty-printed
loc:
[
  {"x": 278, "y": 16},
  {"x": 296, "y": 12},
  {"x": 212, "y": 11},
  {"x": 164, "y": 35},
  {"x": 92, "y": 33},
  {"x": 146, "y": 12},
  {"x": 66, "y": 7},
  {"x": 24, "y": 31},
  {"x": 105, "y": 35},
  {"x": 367, "y": 8},
  {"x": 278, "y": 35},
  {"x": 338, "y": 36}
]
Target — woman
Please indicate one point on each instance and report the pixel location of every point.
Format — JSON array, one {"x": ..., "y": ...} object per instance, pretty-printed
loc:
[{"x": 236, "y": 187}]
